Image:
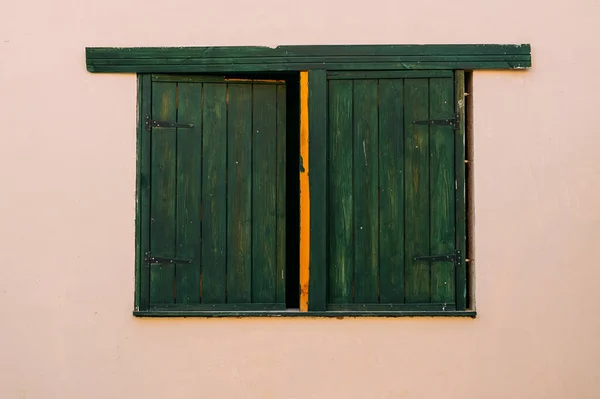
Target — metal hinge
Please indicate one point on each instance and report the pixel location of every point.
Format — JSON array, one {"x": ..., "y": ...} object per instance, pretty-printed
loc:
[
  {"x": 454, "y": 257},
  {"x": 157, "y": 260},
  {"x": 439, "y": 122},
  {"x": 152, "y": 123}
]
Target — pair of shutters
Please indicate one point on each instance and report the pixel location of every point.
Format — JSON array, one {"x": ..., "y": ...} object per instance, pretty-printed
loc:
[{"x": 216, "y": 192}]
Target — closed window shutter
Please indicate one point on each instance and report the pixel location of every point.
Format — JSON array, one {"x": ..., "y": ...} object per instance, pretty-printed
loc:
[
  {"x": 217, "y": 194},
  {"x": 391, "y": 191}
]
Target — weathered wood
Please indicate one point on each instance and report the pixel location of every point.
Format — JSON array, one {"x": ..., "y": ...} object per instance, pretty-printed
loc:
[
  {"x": 287, "y": 67},
  {"x": 163, "y": 186},
  {"x": 365, "y": 194},
  {"x": 239, "y": 194},
  {"x": 264, "y": 174},
  {"x": 311, "y": 60},
  {"x": 416, "y": 165},
  {"x": 291, "y": 313},
  {"x": 298, "y": 58},
  {"x": 220, "y": 307},
  {"x": 214, "y": 201},
  {"x": 306, "y": 51},
  {"x": 398, "y": 307},
  {"x": 211, "y": 79},
  {"x": 317, "y": 105},
  {"x": 143, "y": 193},
  {"x": 281, "y": 191},
  {"x": 391, "y": 191},
  {"x": 189, "y": 176},
  {"x": 461, "y": 181},
  {"x": 340, "y": 205},
  {"x": 442, "y": 200},
  {"x": 335, "y": 75}
]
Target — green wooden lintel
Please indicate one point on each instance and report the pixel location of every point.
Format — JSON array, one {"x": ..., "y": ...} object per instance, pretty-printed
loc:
[
  {"x": 295, "y": 313},
  {"x": 297, "y": 58}
]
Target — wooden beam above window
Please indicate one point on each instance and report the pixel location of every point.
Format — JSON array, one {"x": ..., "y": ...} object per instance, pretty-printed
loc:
[{"x": 298, "y": 58}]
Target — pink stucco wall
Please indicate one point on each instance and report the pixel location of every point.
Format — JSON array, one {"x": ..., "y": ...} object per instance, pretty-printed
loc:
[{"x": 67, "y": 169}]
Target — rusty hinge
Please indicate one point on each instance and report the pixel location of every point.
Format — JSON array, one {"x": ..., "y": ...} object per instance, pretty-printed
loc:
[
  {"x": 439, "y": 122},
  {"x": 152, "y": 123}
]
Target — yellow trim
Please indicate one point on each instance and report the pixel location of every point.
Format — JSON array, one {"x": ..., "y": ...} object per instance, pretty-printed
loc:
[{"x": 304, "y": 195}]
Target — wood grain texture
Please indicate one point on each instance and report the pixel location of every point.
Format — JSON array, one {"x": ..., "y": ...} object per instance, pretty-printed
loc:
[
  {"x": 391, "y": 190},
  {"x": 214, "y": 194},
  {"x": 416, "y": 165},
  {"x": 264, "y": 205},
  {"x": 317, "y": 105},
  {"x": 340, "y": 199},
  {"x": 143, "y": 193},
  {"x": 281, "y": 192},
  {"x": 461, "y": 198},
  {"x": 163, "y": 202},
  {"x": 351, "y": 75},
  {"x": 189, "y": 176},
  {"x": 419, "y": 312},
  {"x": 299, "y": 58},
  {"x": 365, "y": 194},
  {"x": 442, "y": 233},
  {"x": 239, "y": 194}
]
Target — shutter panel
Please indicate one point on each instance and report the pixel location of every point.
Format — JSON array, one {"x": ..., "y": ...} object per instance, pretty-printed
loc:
[
  {"x": 217, "y": 194},
  {"x": 391, "y": 192}
]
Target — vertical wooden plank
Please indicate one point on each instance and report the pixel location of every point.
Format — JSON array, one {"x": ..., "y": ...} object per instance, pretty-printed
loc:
[
  {"x": 292, "y": 219},
  {"x": 239, "y": 190},
  {"x": 366, "y": 182},
  {"x": 189, "y": 178},
  {"x": 281, "y": 139},
  {"x": 214, "y": 201},
  {"x": 442, "y": 202},
  {"x": 264, "y": 174},
  {"x": 304, "y": 194},
  {"x": 340, "y": 199},
  {"x": 391, "y": 190},
  {"x": 143, "y": 192},
  {"x": 317, "y": 110},
  {"x": 163, "y": 186},
  {"x": 461, "y": 202},
  {"x": 416, "y": 165}
]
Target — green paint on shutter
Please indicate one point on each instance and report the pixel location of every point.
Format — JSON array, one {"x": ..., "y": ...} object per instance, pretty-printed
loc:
[
  {"x": 442, "y": 235},
  {"x": 340, "y": 209},
  {"x": 217, "y": 196},
  {"x": 365, "y": 172},
  {"x": 163, "y": 183},
  {"x": 391, "y": 190},
  {"x": 416, "y": 162},
  {"x": 264, "y": 161},
  {"x": 391, "y": 193},
  {"x": 189, "y": 175},
  {"x": 239, "y": 218},
  {"x": 214, "y": 194},
  {"x": 281, "y": 187}
]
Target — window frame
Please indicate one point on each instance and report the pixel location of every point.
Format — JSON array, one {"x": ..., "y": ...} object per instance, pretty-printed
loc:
[{"x": 314, "y": 62}]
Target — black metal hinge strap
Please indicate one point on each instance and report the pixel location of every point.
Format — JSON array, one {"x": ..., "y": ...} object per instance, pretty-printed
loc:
[
  {"x": 455, "y": 257},
  {"x": 439, "y": 122},
  {"x": 152, "y": 123},
  {"x": 156, "y": 260}
]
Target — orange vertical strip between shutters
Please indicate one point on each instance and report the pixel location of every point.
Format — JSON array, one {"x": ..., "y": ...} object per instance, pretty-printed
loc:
[{"x": 304, "y": 195}]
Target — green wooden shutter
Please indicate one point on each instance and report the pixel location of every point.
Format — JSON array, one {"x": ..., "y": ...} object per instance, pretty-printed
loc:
[
  {"x": 217, "y": 194},
  {"x": 391, "y": 191}
]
